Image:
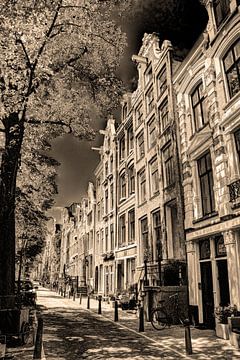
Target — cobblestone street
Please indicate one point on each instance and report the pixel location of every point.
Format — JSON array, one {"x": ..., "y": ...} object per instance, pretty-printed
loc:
[{"x": 72, "y": 332}]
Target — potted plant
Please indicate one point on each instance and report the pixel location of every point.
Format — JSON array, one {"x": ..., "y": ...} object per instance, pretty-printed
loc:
[{"x": 222, "y": 314}]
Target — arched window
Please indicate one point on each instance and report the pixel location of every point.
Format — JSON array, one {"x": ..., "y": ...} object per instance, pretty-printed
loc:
[{"x": 231, "y": 63}]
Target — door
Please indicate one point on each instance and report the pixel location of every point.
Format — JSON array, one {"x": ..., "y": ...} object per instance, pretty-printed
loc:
[
  {"x": 223, "y": 282},
  {"x": 207, "y": 294}
]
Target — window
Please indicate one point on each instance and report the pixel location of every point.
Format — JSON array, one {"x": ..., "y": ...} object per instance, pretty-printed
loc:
[
  {"x": 124, "y": 111},
  {"x": 232, "y": 68},
  {"x": 130, "y": 139},
  {"x": 206, "y": 184},
  {"x": 131, "y": 180},
  {"x": 111, "y": 164},
  {"x": 106, "y": 201},
  {"x": 101, "y": 242},
  {"x": 111, "y": 237},
  {"x": 131, "y": 226},
  {"x": 142, "y": 187},
  {"x": 140, "y": 144},
  {"x": 237, "y": 141},
  {"x": 144, "y": 233},
  {"x": 162, "y": 81},
  {"x": 199, "y": 107},
  {"x": 148, "y": 75},
  {"x": 106, "y": 169},
  {"x": 221, "y": 10},
  {"x": 154, "y": 177},
  {"x": 106, "y": 239},
  {"x": 122, "y": 148},
  {"x": 98, "y": 212},
  {"x": 152, "y": 134},
  {"x": 122, "y": 186},
  {"x": 130, "y": 271},
  {"x": 157, "y": 231},
  {"x": 111, "y": 197},
  {"x": 150, "y": 100},
  {"x": 163, "y": 115},
  {"x": 139, "y": 115},
  {"x": 122, "y": 230},
  {"x": 168, "y": 166}
]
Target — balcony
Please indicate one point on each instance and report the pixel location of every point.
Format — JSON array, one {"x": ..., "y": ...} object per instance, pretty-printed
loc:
[{"x": 234, "y": 191}]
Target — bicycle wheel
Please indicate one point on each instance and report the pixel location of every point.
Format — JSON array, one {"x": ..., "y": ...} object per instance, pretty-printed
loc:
[{"x": 159, "y": 319}]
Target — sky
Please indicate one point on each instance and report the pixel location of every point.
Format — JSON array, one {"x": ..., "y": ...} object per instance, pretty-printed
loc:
[{"x": 180, "y": 21}]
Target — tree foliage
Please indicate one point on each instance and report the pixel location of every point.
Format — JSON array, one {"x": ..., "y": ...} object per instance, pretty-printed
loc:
[{"x": 58, "y": 60}]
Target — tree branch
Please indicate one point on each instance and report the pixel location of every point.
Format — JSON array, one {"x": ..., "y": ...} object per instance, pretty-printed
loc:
[
  {"x": 50, "y": 122},
  {"x": 19, "y": 41}
]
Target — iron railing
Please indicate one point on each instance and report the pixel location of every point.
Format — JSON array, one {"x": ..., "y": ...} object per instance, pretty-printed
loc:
[{"x": 234, "y": 190}]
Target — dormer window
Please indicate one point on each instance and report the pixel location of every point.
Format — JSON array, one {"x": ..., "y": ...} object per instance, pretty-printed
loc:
[
  {"x": 221, "y": 10},
  {"x": 232, "y": 68}
]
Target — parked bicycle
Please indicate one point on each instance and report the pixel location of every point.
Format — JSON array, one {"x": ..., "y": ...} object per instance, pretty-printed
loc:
[{"x": 166, "y": 315}]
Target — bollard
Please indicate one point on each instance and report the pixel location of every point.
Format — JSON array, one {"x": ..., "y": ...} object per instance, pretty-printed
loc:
[
  {"x": 38, "y": 344},
  {"x": 69, "y": 294},
  {"x": 141, "y": 319},
  {"x": 80, "y": 298},
  {"x": 88, "y": 302},
  {"x": 64, "y": 293},
  {"x": 188, "y": 340},
  {"x": 74, "y": 296},
  {"x": 99, "y": 305},
  {"x": 116, "y": 311}
]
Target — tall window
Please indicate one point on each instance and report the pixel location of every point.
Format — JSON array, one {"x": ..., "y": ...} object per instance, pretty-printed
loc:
[
  {"x": 101, "y": 242},
  {"x": 150, "y": 100},
  {"x": 142, "y": 186},
  {"x": 122, "y": 148},
  {"x": 206, "y": 184},
  {"x": 237, "y": 140},
  {"x": 157, "y": 226},
  {"x": 111, "y": 237},
  {"x": 124, "y": 111},
  {"x": 168, "y": 166},
  {"x": 163, "y": 114},
  {"x": 199, "y": 107},
  {"x": 139, "y": 114},
  {"x": 144, "y": 233},
  {"x": 131, "y": 180},
  {"x": 122, "y": 230},
  {"x": 106, "y": 239},
  {"x": 148, "y": 75},
  {"x": 154, "y": 177},
  {"x": 131, "y": 226},
  {"x": 111, "y": 197},
  {"x": 122, "y": 186},
  {"x": 106, "y": 168},
  {"x": 130, "y": 139},
  {"x": 111, "y": 164},
  {"x": 221, "y": 10},
  {"x": 232, "y": 68},
  {"x": 152, "y": 134},
  {"x": 140, "y": 144},
  {"x": 162, "y": 81},
  {"x": 106, "y": 201}
]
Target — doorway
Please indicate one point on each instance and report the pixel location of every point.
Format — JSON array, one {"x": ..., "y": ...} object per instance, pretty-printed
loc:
[
  {"x": 223, "y": 282},
  {"x": 207, "y": 294}
]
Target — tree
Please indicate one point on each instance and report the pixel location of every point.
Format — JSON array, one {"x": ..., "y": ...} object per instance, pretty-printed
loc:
[{"x": 57, "y": 70}]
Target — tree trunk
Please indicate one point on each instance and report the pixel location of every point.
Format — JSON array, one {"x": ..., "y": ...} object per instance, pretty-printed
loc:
[{"x": 9, "y": 166}]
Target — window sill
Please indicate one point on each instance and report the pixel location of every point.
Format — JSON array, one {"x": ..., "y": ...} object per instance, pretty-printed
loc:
[
  {"x": 143, "y": 203},
  {"x": 155, "y": 195},
  {"x": 205, "y": 217}
]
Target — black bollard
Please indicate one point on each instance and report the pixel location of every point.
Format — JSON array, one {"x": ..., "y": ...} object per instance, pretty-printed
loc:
[
  {"x": 80, "y": 298},
  {"x": 88, "y": 302},
  {"x": 188, "y": 340},
  {"x": 141, "y": 319},
  {"x": 99, "y": 305},
  {"x": 38, "y": 344},
  {"x": 116, "y": 311},
  {"x": 74, "y": 296}
]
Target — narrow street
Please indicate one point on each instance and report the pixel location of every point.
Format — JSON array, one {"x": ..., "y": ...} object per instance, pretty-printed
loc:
[{"x": 72, "y": 332}]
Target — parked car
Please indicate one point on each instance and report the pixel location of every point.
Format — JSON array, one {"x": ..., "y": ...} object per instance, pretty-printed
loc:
[{"x": 27, "y": 292}]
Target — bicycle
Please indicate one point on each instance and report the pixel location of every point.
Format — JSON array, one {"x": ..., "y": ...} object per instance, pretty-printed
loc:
[{"x": 163, "y": 316}]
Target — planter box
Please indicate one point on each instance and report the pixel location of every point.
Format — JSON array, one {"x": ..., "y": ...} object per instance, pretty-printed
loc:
[{"x": 222, "y": 331}]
